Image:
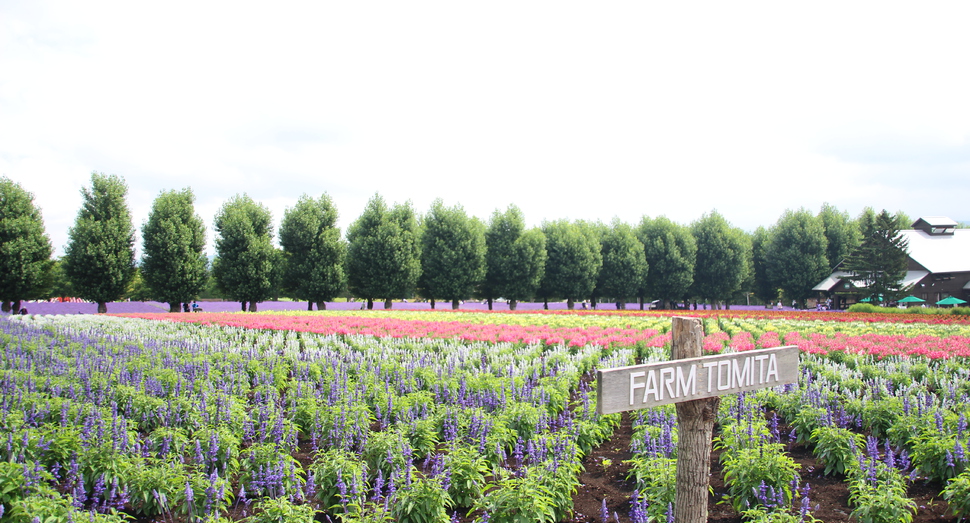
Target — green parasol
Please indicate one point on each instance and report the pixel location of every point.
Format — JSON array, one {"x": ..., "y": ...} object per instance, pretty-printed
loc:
[
  {"x": 911, "y": 299},
  {"x": 952, "y": 300}
]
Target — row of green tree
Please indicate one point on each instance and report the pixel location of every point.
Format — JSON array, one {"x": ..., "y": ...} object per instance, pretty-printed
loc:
[{"x": 390, "y": 252}]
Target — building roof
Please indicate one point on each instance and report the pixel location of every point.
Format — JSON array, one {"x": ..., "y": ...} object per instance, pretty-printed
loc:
[
  {"x": 828, "y": 283},
  {"x": 940, "y": 253},
  {"x": 934, "y": 221}
]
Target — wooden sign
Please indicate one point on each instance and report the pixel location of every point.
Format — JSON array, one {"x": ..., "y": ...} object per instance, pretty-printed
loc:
[{"x": 641, "y": 386}]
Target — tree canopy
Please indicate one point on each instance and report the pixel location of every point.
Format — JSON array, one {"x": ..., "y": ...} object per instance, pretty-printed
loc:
[
  {"x": 723, "y": 258},
  {"x": 878, "y": 265},
  {"x": 383, "y": 254},
  {"x": 314, "y": 251},
  {"x": 174, "y": 265},
  {"x": 99, "y": 259},
  {"x": 841, "y": 233},
  {"x": 245, "y": 257},
  {"x": 25, "y": 248},
  {"x": 624, "y": 268},
  {"x": 573, "y": 263},
  {"x": 452, "y": 253},
  {"x": 671, "y": 253},
  {"x": 515, "y": 258},
  {"x": 794, "y": 254}
]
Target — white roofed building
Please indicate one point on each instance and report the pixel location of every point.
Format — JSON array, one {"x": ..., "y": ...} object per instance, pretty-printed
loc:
[{"x": 938, "y": 266}]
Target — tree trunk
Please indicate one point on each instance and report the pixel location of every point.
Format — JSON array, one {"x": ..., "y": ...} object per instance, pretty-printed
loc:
[
  {"x": 570, "y": 304},
  {"x": 489, "y": 303},
  {"x": 545, "y": 304},
  {"x": 15, "y": 308},
  {"x": 513, "y": 304},
  {"x": 432, "y": 303},
  {"x": 370, "y": 304},
  {"x": 309, "y": 305},
  {"x": 321, "y": 305},
  {"x": 102, "y": 307},
  {"x": 252, "y": 306},
  {"x": 387, "y": 303},
  {"x": 640, "y": 302},
  {"x": 455, "y": 303},
  {"x": 695, "y": 426},
  {"x": 620, "y": 305},
  {"x": 5, "y": 307},
  {"x": 174, "y": 307}
]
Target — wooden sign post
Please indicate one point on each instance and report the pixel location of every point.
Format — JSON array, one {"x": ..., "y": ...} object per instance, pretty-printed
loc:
[{"x": 695, "y": 384}]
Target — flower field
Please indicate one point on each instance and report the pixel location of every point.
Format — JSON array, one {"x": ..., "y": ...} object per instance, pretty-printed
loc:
[{"x": 418, "y": 416}]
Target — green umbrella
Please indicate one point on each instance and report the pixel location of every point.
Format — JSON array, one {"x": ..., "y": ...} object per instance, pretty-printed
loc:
[
  {"x": 911, "y": 299},
  {"x": 952, "y": 300},
  {"x": 869, "y": 298}
]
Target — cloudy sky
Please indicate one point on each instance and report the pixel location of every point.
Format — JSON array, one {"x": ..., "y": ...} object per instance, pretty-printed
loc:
[{"x": 578, "y": 110}]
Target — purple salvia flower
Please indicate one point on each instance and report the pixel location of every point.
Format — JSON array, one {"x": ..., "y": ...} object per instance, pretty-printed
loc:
[{"x": 604, "y": 512}]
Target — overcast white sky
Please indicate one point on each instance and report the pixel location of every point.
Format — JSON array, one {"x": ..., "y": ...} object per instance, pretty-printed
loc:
[{"x": 578, "y": 110}]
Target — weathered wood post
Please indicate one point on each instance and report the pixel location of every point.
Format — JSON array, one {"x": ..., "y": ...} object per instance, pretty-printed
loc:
[{"x": 695, "y": 428}]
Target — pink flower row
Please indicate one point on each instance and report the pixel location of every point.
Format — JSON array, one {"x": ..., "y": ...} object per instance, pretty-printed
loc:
[{"x": 397, "y": 328}]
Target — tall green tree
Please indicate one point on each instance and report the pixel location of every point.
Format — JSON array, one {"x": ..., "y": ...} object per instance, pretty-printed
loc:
[
  {"x": 794, "y": 254},
  {"x": 723, "y": 257},
  {"x": 761, "y": 286},
  {"x": 25, "y": 248},
  {"x": 174, "y": 265},
  {"x": 245, "y": 257},
  {"x": 841, "y": 232},
  {"x": 515, "y": 258},
  {"x": 878, "y": 265},
  {"x": 314, "y": 251},
  {"x": 384, "y": 252},
  {"x": 99, "y": 259},
  {"x": 624, "y": 270},
  {"x": 573, "y": 263},
  {"x": 452, "y": 253},
  {"x": 671, "y": 253}
]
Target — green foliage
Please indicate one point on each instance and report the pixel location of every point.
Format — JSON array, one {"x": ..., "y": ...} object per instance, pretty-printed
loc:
[
  {"x": 723, "y": 257},
  {"x": 99, "y": 259},
  {"x": 157, "y": 488},
  {"x": 174, "y": 264},
  {"x": 836, "y": 448},
  {"x": 957, "y": 495},
  {"x": 280, "y": 510},
  {"x": 573, "y": 263},
  {"x": 515, "y": 258},
  {"x": 747, "y": 469},
  {"x": 761, "y": 285},
  {"x": 763, "y": 515},
  {"x": 879, "y": 263},
  {"x": 383, "y": 253},
  {"x": 245, "y": 263},
  {"x": 624, "y": 269},
  {"x": 932, "y": 454},
  {"x": 452, "y": 253},
  {"x": 841, "y": 233},
  {"x": 25, "y": 249},
  {"x": 468, "y": 469},
  {"x": 656, "y": 479},
  {"x": 423, "y": 501},
  {"x": 260, "y": 459},
  {"x": 331, "y": 467},
  {"x": 880, "y": 501},
  {"x": 794, "y": 254},
  {"x": 314, "y": 251},
  {"x": 671, "y": 254},
  {"x": 518, "y": 500},
  {"x": 48, "y": 508}
]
